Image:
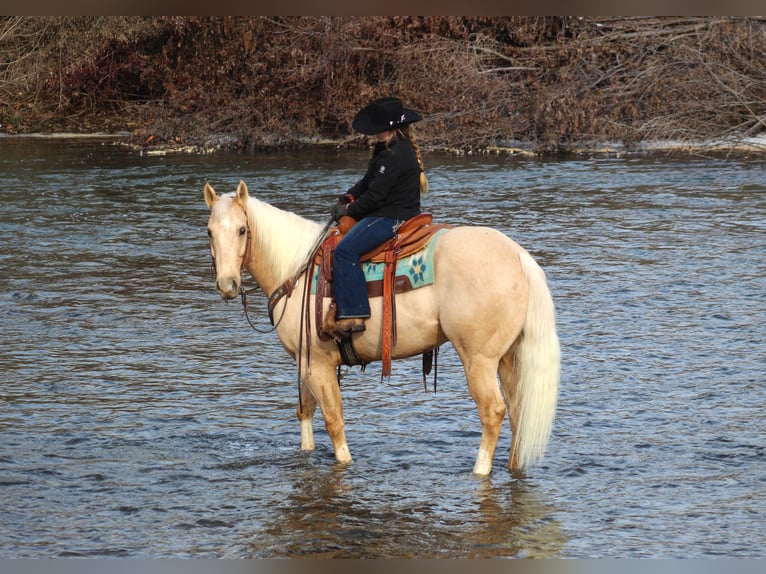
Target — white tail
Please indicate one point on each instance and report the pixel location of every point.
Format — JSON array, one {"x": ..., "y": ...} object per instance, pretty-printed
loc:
[{"x": 538, "y": 363}]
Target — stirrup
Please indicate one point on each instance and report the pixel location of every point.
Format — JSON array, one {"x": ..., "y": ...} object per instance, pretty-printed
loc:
[
  {"x": 336, "y": 327},
  {"x": 354, "y": 327}
]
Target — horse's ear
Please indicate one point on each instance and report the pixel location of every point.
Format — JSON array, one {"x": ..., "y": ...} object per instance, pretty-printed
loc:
[
  {"x": 210, "y": 195},
  {"x": 242, "y": 193}
]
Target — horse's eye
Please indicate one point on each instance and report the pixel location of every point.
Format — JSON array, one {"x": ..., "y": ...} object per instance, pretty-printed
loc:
[
  {"x": 209, "y": 234},
  {"x": 242, "y": 230}
]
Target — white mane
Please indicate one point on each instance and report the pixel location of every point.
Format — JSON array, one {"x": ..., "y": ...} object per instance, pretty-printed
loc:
[{"x": 285, "y": 238}]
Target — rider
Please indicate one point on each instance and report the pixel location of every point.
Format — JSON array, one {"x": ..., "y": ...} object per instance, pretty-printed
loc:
[{"x": 381, "y": 201}]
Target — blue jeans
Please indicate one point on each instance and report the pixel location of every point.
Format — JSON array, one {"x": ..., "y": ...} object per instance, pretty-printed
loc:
[{"x": 348, "y": 279}]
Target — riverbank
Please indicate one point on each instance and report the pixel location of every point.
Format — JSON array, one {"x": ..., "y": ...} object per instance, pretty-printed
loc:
[
  {"x": 537, "y": 85},
  {"x": 743, "y": 146}
]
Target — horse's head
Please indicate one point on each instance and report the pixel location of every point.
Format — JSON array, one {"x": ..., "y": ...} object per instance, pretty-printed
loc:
[{"x": 228, "y": 231}]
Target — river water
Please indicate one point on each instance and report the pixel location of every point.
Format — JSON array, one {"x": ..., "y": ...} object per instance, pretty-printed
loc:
[{"x": 140, "y": 416}]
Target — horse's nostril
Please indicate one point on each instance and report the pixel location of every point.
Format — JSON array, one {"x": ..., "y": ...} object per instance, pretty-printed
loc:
[{"x": 227, "y": 287}]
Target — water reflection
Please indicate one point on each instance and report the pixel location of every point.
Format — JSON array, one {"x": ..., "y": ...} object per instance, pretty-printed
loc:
[
  {"x": 329, "y": 513},
  {"x": 517, "y": 514}
]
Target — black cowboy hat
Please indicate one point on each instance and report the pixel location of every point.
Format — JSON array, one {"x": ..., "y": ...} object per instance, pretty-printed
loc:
[{"x": 384, "y": 114}]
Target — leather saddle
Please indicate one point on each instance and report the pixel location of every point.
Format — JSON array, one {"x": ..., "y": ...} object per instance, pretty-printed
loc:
[{"x": 411, "y": 237}]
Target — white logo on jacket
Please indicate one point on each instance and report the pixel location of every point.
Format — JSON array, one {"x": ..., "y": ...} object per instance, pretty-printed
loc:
[{"x": 382, "y": 169}]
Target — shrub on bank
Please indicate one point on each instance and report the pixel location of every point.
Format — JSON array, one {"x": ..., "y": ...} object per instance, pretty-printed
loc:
[{"x": 548, "y": 83}]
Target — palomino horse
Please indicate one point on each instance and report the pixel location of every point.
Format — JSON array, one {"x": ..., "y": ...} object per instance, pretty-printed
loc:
[{"x": 495, "y": 309}]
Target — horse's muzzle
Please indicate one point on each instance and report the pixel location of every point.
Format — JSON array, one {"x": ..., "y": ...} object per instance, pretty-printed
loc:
[{"x": 228, "y": 288}]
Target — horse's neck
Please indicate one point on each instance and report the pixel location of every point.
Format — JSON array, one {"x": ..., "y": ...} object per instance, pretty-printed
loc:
[{"x": 281, "y": 242}]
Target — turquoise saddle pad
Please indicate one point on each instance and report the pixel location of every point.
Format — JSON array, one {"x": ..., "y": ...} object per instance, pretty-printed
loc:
[{"x": 419, "y": 266}]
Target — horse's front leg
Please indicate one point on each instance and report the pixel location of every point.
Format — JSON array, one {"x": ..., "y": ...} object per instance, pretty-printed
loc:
[
  {"x": 305, "y": 410},
  {"x": 326, "y": 391}
]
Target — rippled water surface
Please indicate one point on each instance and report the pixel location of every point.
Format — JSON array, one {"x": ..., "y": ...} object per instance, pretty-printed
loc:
[{"x": 140, "y": 416}]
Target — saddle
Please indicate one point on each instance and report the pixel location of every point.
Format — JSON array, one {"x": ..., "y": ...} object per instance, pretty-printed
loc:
[{"x": 411, "y": 237}]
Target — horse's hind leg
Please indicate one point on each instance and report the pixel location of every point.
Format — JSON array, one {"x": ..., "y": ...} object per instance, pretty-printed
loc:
[
  {"x": 481, "y": 374},
  {"x": 509, "y": 383}
]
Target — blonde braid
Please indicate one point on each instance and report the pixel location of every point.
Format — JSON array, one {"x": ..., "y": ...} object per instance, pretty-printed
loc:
[{"x": 409, "y": 133}]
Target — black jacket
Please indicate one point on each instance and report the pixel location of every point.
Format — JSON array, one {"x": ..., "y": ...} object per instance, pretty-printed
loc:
[{"x": 391, "y": 186}]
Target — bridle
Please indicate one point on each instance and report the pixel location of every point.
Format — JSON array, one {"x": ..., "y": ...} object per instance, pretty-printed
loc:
[
  {"x": 284, "y": 290},
  {"x": 243, "y": 293}
]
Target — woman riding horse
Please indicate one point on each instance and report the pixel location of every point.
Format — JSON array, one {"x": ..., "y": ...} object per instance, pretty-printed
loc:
[{"x": 381, "y": 201}]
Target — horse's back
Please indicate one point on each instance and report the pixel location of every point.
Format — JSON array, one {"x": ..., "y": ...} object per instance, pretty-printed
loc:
[{"x": 475, "y": 253}]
